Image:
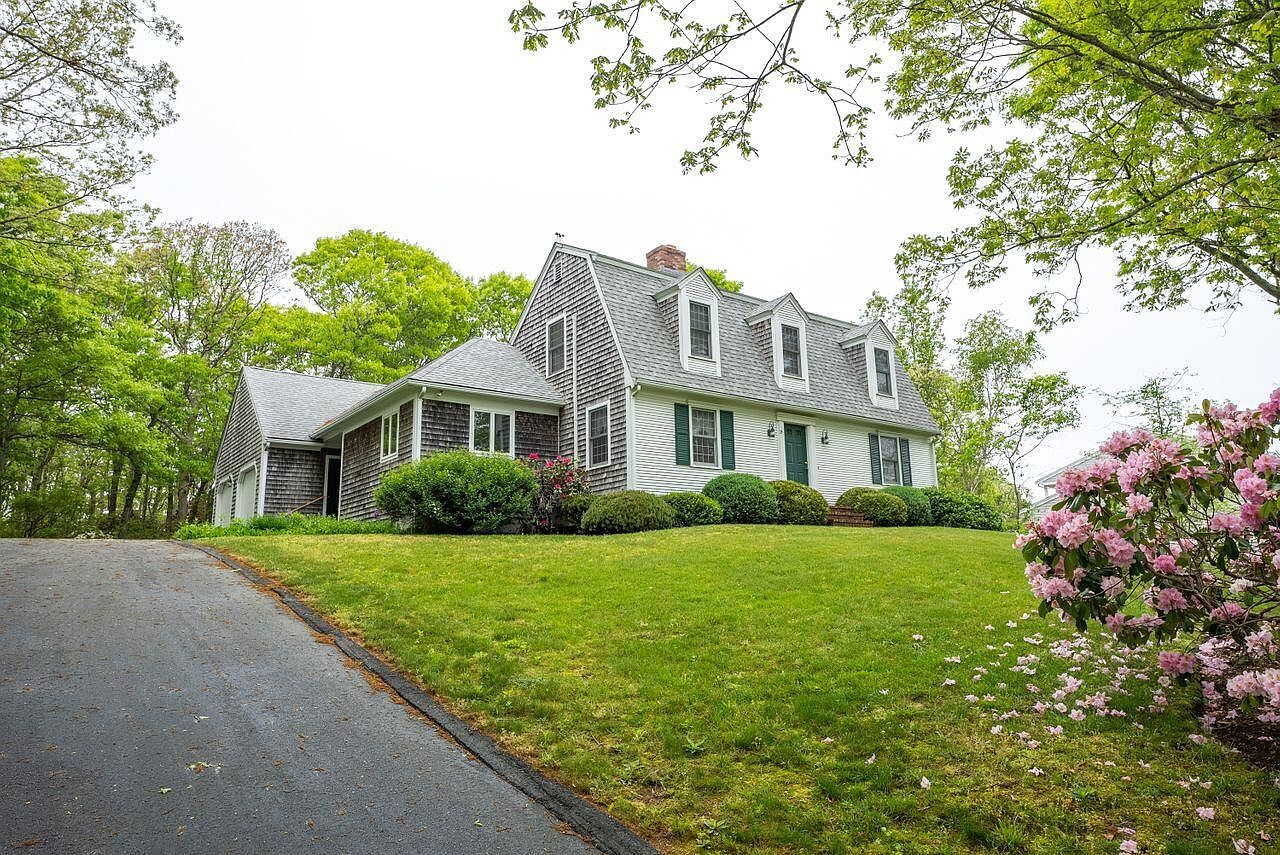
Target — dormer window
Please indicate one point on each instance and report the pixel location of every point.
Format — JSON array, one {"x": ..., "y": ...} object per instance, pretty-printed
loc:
[
  {"x": 884, "y": 372},
  {"x": 699, "y": 330},
  {"x": 792, "y": 361},
  {"x": 691, "y": 309}
]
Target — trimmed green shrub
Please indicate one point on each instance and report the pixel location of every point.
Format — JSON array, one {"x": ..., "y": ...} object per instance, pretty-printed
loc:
[
  {"x": 744, "y": 498},
  {"x": 957, "y": 509},
  {"x": 568, "y": 514},
  {"x": 626, "y": 511},
  {"x": 918, "y": 511},
  {"x": 876, "y": 506},
  {"x": 458, "y": 491},
  {"x": 694, "y": 509},
  {"x": 284, "y": 524},
  {"x": 799, "y": 504}
]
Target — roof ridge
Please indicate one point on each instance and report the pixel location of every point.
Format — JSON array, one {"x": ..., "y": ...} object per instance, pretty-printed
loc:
[{"x": 309, "y": 376}]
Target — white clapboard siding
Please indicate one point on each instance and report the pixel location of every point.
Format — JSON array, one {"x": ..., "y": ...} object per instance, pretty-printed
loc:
[{"x": 833, "y": 468}]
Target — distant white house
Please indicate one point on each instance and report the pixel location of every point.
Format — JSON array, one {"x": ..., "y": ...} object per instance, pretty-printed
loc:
[{"x": 1049, "y": 480}]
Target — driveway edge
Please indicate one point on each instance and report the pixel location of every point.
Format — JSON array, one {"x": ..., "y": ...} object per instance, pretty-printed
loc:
[{"x": 588, "y": 821}]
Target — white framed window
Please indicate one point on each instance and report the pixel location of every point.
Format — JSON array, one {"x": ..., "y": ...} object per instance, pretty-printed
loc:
[
  {"x": 491, "y": 432},
  {"x": 598, "y": 435},
  {"x": 555, "y": 346},
  {"x": 792, "y": 361},
  {"x": 890, "y": 460},
  {"x": 884, "y": 372},
  {"x": 699, "y": 330},
  {"x": 704, "y": 444},
  {"x": 390, "y": 434}
]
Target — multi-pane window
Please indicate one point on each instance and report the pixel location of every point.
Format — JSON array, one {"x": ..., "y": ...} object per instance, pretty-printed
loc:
[
  {"x": 490, "y": 431},
  {"x": 704, "y": 444},
  {"x": 390, "y": 434},
  {"x": 555, "y": 346},
  {"x": 598, "y": 436},
  {"x": 700, "y": 330},
  {"x": 791, "y": 365},
  {"x": 890, "y": 465},
  {"x": 884, "y": 375}
]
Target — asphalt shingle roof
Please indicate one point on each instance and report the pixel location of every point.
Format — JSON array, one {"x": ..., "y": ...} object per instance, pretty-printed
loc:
[
  {"x": 292, "y": 406},
  {"x": 837, "y": 376},
  {"x": 491, "y": 366}
]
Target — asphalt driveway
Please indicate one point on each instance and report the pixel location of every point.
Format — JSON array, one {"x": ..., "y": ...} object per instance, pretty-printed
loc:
[{"x": 151, "y": 700}]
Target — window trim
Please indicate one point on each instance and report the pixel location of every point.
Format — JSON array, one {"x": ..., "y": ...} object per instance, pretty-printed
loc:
[
  {"x": 564, "y": 344},
  {"x": 608, "y": 435},
  {"x": 383, "y": 454},
  {"x": 715, "y": 423},
  {"x": 709, "y": 356},
  {"x": 875, "y": 371},
  {"x": 782, "y": 347},
  {"x": 471, "y": 433},
  {"x": 897, "y": 450}
]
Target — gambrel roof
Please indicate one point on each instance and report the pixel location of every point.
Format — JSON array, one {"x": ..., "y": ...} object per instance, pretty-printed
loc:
[{"x": 837, "y": 373}]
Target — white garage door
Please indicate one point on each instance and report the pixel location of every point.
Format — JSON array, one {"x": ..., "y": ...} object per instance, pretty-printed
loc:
[
  {"x": 247, "y": 495},
  {"x": 222, "y": 505}
]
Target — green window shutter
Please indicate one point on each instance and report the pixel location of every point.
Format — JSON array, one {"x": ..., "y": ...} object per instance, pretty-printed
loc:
[
  {"x": 726, "y": 439},
  {"x": 682, "y": 435},
  {"x": 876, "y": 477},
  {"x": 904, "y": 455}
]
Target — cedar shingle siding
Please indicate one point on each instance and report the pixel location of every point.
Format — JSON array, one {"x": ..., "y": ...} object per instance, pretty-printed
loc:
[
  {"x": 445, "y": 425},
  {"x": 567, "y": 288},
  {"x": 362, "y": 467},
  {"x": 537, "y": 433},
  {"x": 241, "y": 442},
  {"x": 295, "y": 481}
]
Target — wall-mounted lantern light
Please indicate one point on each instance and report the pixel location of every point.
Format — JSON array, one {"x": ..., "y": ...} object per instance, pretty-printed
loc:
[
  {"x": 773, "y": 429},
  {"x": 825, "y": 439}
]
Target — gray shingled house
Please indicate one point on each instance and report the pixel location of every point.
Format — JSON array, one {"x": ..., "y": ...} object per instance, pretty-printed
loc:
[{"x": 650, "y": 376}]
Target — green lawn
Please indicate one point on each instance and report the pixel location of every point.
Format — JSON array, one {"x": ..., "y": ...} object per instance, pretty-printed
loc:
[{"x": 725, "y": 687}]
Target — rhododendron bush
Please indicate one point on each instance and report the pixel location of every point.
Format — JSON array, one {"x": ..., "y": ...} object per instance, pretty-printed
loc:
[{"x": 1178, "y": 545}]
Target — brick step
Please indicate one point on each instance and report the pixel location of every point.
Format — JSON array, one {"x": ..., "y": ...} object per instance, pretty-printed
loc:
[{"x": 847, "y": 516}]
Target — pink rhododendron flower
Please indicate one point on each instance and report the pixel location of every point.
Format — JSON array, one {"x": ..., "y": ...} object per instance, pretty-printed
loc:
[
  {"x": 1229, "y": 523},
  {"x": 1170, "y": 600},
  {"x": 1267, "y": 464},
  {"x": 1073, "y": 530},
  {"x": 1138, "y": 503},
  {"x": 1165, "y": 563},
  {"x": 1228, "y": 611},
  {"x": 1122, "y": 441},
  {"x": 1174, "y": 664},
  {"x": 1119, "y": 550},
  {"x": 1253, "y": 488}
]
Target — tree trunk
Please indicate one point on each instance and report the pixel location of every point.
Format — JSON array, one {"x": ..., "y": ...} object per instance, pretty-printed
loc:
[
  {"x": 130, "y": 493},
  {"x": 113, "y": 491}
]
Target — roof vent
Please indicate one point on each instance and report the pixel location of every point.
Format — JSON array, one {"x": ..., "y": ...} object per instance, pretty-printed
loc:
[{"x": 665, "y": 258}]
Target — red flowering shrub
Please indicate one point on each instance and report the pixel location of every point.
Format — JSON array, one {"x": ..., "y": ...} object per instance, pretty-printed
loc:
[
  {"x": 1164, "y": 541},
  {"x": 558, "y": 479}
]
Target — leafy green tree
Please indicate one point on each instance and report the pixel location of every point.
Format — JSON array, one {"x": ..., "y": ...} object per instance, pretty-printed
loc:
[
  {"x": 718, "y": 277},
  {"x": 1150, "y": 130},
  {"x": 201, "y": 289},
  {"x": 499, "y": 301},
  {"x": 1158, "y": 404},
  {"x": 1013, "y": 410},
  {"x": 75, "y": 93},
  {"x": 390, "y": 300}
]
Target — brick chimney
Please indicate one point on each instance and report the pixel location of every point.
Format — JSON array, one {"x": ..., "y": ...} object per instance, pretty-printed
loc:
[{"x": 665, "y": 257}]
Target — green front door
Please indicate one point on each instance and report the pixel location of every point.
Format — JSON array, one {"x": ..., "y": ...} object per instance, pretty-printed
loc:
[{"x": 795, "y": 442}]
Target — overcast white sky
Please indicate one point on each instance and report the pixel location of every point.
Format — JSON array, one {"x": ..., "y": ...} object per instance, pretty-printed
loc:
[{"x": 427, "y": 121}]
